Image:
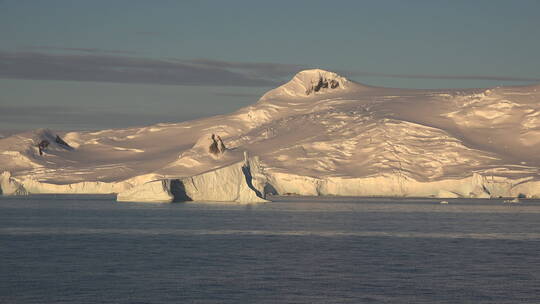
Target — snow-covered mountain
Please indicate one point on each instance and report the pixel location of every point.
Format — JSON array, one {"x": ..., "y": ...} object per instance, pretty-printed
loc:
[{"x": 318, "y": 134}]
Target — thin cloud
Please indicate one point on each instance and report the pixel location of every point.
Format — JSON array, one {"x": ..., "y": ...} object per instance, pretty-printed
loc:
[
  {"x": 143, "y": 33},
  {"x": 96, "y": 65},
  {"x": 122, "y": 69},
  {"x": 243, "y": 95},
  {"x": 280, "y": 71},
  {"x": 258, "y": 68},
  {"x": 65, "y": 117},
  {"x": 443, "y": 77},
  {"x": 83, "y": 50},
  {"x": 29, "y": 111}
]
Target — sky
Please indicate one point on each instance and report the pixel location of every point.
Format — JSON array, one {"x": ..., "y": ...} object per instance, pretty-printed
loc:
[{"x": 83, "y": 65}]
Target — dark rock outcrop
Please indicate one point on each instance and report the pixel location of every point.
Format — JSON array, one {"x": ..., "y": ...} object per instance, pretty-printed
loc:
[
  {"x": 217, "y": 146},
  {"x": 43, "y": 145},
  {"x": 323, "y": 83},
  {"x": 62, "y": 143},
  {"x": 45, "y": 139},
  {"x": 221, "y": 145}
]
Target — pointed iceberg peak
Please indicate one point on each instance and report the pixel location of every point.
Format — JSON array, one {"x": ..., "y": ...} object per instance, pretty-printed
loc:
[{"x": 309, "y": 82}]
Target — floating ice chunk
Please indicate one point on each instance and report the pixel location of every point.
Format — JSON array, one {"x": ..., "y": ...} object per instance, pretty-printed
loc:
[{"x": 513, "y": 201}]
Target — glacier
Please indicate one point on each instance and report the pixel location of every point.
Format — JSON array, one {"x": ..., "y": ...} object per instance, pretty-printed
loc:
[{"x": 318, "y": 134}]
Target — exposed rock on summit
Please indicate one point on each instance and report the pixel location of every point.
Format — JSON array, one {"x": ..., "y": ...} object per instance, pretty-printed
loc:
[
  {"x": 323, "y": 83},
  {"x": 309, "y": 82}
]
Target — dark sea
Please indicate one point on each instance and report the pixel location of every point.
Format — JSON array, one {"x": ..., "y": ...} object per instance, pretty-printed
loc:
[{"x": 91, "y": 249}]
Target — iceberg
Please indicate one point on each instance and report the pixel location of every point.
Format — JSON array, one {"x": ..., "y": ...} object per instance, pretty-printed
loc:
[{"x": 241, "y": 182}]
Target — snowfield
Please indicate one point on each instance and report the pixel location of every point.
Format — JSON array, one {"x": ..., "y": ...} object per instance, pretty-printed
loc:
[{"x": 319, "y": 134}]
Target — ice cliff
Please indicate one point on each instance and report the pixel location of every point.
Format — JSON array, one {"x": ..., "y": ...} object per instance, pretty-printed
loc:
[
  {"x": 241, "y": 182},
  {"x": 9, "y": 186},
  {"x": 149, "y": 192}
]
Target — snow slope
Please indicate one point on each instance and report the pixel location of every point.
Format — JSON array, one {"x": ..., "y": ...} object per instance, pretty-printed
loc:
[{"x": 319, "y": 134}]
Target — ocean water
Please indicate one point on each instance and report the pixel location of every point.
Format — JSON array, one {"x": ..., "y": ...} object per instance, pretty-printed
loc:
[{"x": 91, "y": 249}]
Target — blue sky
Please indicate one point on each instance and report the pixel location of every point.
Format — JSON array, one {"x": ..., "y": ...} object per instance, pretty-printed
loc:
[{"x": 102, "y": 64}]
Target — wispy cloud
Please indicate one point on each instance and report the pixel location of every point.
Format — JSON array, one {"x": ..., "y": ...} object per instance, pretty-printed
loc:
[
  {"x": 19, "y": 117},
  {"x": 352, "y": 73},
  {"x": 262, "y": 69},
  {"x": 92, "y": 64},
  {"x": 83, "y": 50},
  {"x": 144, "y": 33},
  {"x": 126, "y": 69},
  {"x": 241, "y": 95}
]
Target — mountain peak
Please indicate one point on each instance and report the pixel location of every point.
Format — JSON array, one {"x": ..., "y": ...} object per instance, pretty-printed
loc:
[
  {"x": 317, "y": 80},
  {"x": 309, "y": 82}
]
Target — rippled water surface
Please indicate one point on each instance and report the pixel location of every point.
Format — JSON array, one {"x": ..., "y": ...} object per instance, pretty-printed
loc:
[{"x": 90, "y": 249}]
